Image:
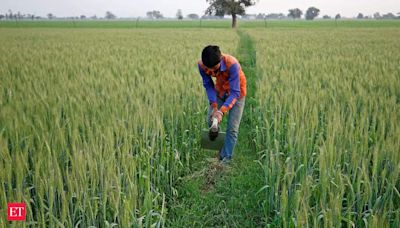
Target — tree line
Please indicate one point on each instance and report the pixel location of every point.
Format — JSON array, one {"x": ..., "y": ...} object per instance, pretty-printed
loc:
[
  {"x": 295, "y": 13},
  {"x": 21, "y": 16},
  {"x": 217, "y": 9}
]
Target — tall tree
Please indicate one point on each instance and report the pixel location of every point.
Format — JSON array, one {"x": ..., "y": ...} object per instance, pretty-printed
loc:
[
  {"x": 360, "y": 16},
  {"x": 50, "y": 16},
  {"x": 229, "y": 7},
  {"x": 179, "y": 14},
  {"x": 337, "y": 17},
  {"x": 110, "y": 15},
  {"x": 10, "y": 15},
  {"x": 154, "y": 14},
  {"x": 312, "y": 13},
  {"x": 295, "y": 13}
]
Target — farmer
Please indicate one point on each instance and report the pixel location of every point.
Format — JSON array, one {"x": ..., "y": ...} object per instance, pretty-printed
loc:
[{"x": 227, "y": 95}]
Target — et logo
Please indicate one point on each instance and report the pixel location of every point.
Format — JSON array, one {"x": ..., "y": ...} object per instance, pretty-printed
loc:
[{"x": 16, "y": 211}]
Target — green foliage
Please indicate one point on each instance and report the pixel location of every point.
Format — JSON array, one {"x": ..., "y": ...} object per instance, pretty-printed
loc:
[
  {"x": 110, "y": 15},
  {"x": 312, "y": 13},
  {"x": 295, "y": 13},
  {"x": 228, "y": 7},
  {"x": 100, "y": 127},
  {"x": 328, "y": 125},
  {"x": 96, "y": 126}
]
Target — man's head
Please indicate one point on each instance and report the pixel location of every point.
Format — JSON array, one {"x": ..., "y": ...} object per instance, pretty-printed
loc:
[{"x": 211, "y": 56}]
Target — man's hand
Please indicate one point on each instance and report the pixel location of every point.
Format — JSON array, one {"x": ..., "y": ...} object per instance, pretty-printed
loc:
[{"x": 217, "y": 114}]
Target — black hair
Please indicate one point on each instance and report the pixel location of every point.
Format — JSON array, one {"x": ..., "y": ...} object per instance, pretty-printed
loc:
[{"x": 211, "y": 56}]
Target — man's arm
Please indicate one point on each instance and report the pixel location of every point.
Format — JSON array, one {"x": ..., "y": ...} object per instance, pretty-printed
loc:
[
  {"x": 234, "y": 85},
  {"x": 209, "y": 86}
]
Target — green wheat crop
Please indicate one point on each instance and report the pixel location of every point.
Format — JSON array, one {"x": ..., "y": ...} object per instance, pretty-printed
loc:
[
  {"x": 96, "y": 126},
  {"x": 328, "y": 127}
]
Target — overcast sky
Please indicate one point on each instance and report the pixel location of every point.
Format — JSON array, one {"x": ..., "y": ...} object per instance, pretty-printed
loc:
[{"x": 135, "y": 8}]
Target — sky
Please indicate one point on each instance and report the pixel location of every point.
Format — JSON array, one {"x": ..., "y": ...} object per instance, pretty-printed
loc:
[{"x": 138, "y": 8}]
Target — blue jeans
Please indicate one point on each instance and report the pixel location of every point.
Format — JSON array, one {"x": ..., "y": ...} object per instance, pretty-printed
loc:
[{"x": 232, "y": 130}]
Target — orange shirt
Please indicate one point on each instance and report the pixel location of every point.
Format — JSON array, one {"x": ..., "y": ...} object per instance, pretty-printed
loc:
[{"x": 230, "y": 80}]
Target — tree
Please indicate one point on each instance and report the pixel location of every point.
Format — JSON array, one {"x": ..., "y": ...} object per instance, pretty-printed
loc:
[
  {"x": 193, "y": 16},
  {"x": 377, "y": 15},
  {"x": 19, "y": 16},
  {"x": 154, "y": 14},
  {"x": 82, "y": 17},
  {"x": 261, "y": 16},
  {"x": 337, "y": 17},
  {"x": 295, "y": 13},
  {"x": 229, "y": 7},
  {"x": 179, "y": 14},
  {"x": 50, "y": 16},
  {"x": 10, "y": 15},
  {"x": 326, "y": 17},
  {"x": 360, "y": 16},
  {"x": 110, "y": 15},
  {"x": 388, "y": 16},
  {"x": 2, "y": 16},
  {"x": 30, "y": 16},
  {"x": 312, "y": 13}
]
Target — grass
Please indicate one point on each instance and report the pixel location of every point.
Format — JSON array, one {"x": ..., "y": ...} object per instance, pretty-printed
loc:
[
  {"x": 101, "y": 127},
  {"x": 328, "y": 125},
  {"x": 89, "y": 133}
]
